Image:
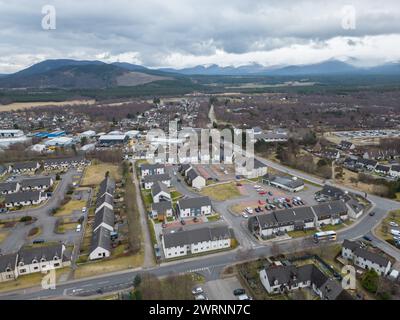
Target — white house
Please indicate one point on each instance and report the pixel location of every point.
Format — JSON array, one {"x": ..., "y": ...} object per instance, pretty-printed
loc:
[
  {"x": 160, "y": 192},
  {"x": 41, "y": 184},
  {"x": 197, "y": 240},
  {"x": 192, "y": 207},
  {"x": 9, "y": 187},
  {"x": 161, "y": 209},
  {"x": 40, "y": 259},
  {"x": 364, "y": 258},
  {"x": 24, "y": 167},
  {"x": 24, "y": 198},
  {"x": 330, "y": 213},
  {"x": 285, "y": 183},
  {"x": 8, "y": 267},
  {"x": 381, "y": 169},
  {"x": 255, "y": 170},
  {"x": 100, "y": 247},
  {"x": 395, "y": 171},
  {"x": 151, "y": 169},
  {"x": 194, "y": 179}
]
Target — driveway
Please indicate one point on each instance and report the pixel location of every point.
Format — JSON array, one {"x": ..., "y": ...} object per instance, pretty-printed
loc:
[{"x": 222, "y": 289}]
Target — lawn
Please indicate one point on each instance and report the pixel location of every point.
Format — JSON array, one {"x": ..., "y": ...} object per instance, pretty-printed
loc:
[
  {"x": 109, "y": 265},
  {"x": 95, "y": 173},
  {"x": 29, "y": 280},
  {"x": 214, "y": 217},
  {"x": 221, "y": 192},
  {"x": 69, "y": 207},
  {"x": 335, "y": 227},
  {"x": 301, "y": 233},
  {"x": 147, "y": 199},
  {"x": 383, "y": 230}
]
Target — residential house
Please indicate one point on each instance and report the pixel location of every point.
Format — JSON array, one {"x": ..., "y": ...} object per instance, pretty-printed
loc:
[
  {"x": 24, "y": 167},
  {"x": 9, "y": 187},
  {"x": 160, "y": 192},
  {"x": 395, "y": 171},
  {"x": 330, "y": 213},
  {"x": 368, "y": 164},
  {"x": 331, "y": 193},
  {"x": 7, "y": 267},
  {"x": 151, "y": 169},
  {"x": 107, "y": 186},
  {"x": 41, "y": 184},
  {"x": 64, "y": 163},
  {"x": 41, "y": 259},
  {"x": 183, "y": 168},
  {"x": 381, "y": 169},
  {"x": 162, "y": 209},
  {"x": 255, "y": 169},
  {"x": 24, "y": 198},
  {"x": 194, "y": 179},
  {"x": 364, "y": 258},
  {"x": 346, "y": 145},
  {"x": 105, "y": 200},
  {"x": 282, "y": 279},
  {"x": 149, "y": 180},
  {"x": 100, "y": 247},
  {"x": 104, "y": 218},
  {"x": 192, "y": 207},
  {"x": 332, "y": 154},
  {"x": 195, "y": 240},
  {"x": 356, "y": 209}
]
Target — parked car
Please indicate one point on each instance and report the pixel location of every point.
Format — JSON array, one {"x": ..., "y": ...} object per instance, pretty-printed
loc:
[
  {"x": 262, "y": 193},
  {"x": 78, "y": 228},
  {"x": 244, "y": 297},
  {"x": 195, "y": 219},
  {"x": 239, "y": 184},
  {"x": 249, "y": 210},
  {"x": 239, "y": 291},
  {"x": 245, "y": 215},
  {"x": 37, "y": 241},
  {"x": 270, "y": 193},
  {"x": 367, "y": 238},
  {"x": 393, "y": 224},
  {"x": 257, "y": 210},
  {"x": 200, "y": 297},
  {"x": 372, "y": 213},
  {"x": 183, "y": 222}
]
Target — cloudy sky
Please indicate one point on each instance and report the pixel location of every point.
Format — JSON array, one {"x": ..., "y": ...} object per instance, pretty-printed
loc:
[{"x": 183, "y": 33}]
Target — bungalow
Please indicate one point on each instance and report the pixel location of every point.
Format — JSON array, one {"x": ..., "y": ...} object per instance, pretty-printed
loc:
[
  {"x": 24, "y": 198},
  {"x": 149, "y": 180},
  {"x": 195, "y": 240},
  {"x": 183, "y": 168},
  {"x": 192, "y": 207},
  {"x": 160, "y": 192},
  {"x": 151, "y": 169},
  {"x": 330, "y": 213},
  {"x": 364, "y": 258},
  {"x": 286, "y": 183},
  {"x": 194, "y": 179},
  {"x": 346, "y": 145},
  {"x": 330, "y": 193},
  {"x": 104, "y": 218},
  {"x": 41, "y": 259},
  {"x": 162, "y": 209},
  {"x": 395, "y": 171},
  {"x": 367, "y": 164},
  {"x": 41, "y": 184},
  {"x": 101, "y": 244},
  {"x": 356, "y": 209},
  {"x": 9, "y": 187},
  {"x": 64, "y": 163},
  {"x": 7, "y": 267},
  {"x": 281, "y": 279},
  {"x": 104, "y": 201},
  {"x": 24, "y": 167},
  {"x": 107, "y": 186},
  {"x": 381, "y": 169},
  {"x": 330, "y": 154}
]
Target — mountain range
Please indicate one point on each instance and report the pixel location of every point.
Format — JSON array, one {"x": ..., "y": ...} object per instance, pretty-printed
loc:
[{"x": 67, "y": 73}]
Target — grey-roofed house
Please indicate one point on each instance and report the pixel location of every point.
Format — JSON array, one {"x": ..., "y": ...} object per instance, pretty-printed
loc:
[
  {"x": 331, "y": 193},
  {"x": 295, "y": 219},
  {"x": 196, "y": 240},
  {"x": 160, "y": 192},
  {"x": 7, "y": 267},
  {"x": 106, "y": 186},
  {"x": 151, "y": 169},
  {"x": 42, "y": 183},
  {"x": 192, "y": 207},
  {"x": 104, "y": 201},
  {"x": 40, "y": 259},
  {"x": 160, "y": 210},
  {"x": 195, "y": 179},
  {"x": 381, "y": 169},
  {"x": 283, "y": 182},
  {"x": 183, "y": 168},
  {"x": 149, "y": 180},
  {"x": 395, "y": 171},
  {"x": 24, "y": 198},
  {"x": 104, "y": 218},
  {"x": 9, "y": 187},
  {"x": 330, "y": 213},
  {"x": 100, "y": 246},
  {"x": 23, "y": 167},
  {"x": 365, "y": 258},
  {"x": 281, "y": 279}
]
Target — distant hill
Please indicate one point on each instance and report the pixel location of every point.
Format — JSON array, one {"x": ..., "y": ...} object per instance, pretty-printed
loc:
[
  {"x": 76, "y": 74},
  {"x": 330, "y": 67}
]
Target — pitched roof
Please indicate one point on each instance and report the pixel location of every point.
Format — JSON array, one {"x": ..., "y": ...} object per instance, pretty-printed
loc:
[
  {"x": 104, "y": 215},
  {"x": 22, "y": 196},
  {"x": 186, "y": 237},
  {"x": 331, "y": 191},
  {"x": 156, "y": 177},
  {"x": 285, "y": 181},
  {"x": 293, "y": 215},
  {"x": 194, "y": 203},
  {"x": 101, "y": 238},
  {"x": 58, "y": 161},
  {"x": 192, "y": 174},
  {"x": 159, "y": 187},
  {"x": 8, "y": 261},
  {"x": 329, "y": 209},
  {"x": 104, "y": 198},
  {"x": 27, "y": 255},
  {"x": 151, "y": 166},
  {"x": 36, "y": 182},
  {"x": 161, "y": 207},
  {"x": 24, "y": 165},
  {"x": 364, "y": 253},
  {"x": 8, "y": 186},
  {"x": 107, "y": 185}
]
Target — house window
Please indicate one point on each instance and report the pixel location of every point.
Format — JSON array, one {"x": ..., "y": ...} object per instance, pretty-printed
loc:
[{"x": 57, "y": 264}]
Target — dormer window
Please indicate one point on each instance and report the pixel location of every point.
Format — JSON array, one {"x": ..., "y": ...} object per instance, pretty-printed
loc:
[
  {"x": 43, "y": 260},
  {"x": 34, "y": 261},
  {"x": 21, "y": 263}
]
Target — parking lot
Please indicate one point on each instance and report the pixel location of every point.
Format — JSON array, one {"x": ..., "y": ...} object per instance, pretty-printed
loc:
[{"x": 222, "y": 289}]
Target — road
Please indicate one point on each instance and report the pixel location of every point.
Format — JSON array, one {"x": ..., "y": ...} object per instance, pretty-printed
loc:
[{"x": 211, "y": 265}]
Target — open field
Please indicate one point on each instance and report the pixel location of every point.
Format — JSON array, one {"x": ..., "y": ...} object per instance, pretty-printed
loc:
[
  {"x": 221, "y": 192},
  {"x": 95, "y": 173},
  {"x": 28, "y": 105},
  {"x": 69, "y": 207}
]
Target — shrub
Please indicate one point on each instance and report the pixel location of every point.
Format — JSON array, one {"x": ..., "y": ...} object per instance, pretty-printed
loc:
[
  {"x": 370, "y": 281},
  {"x": 25, "y": 219}
]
